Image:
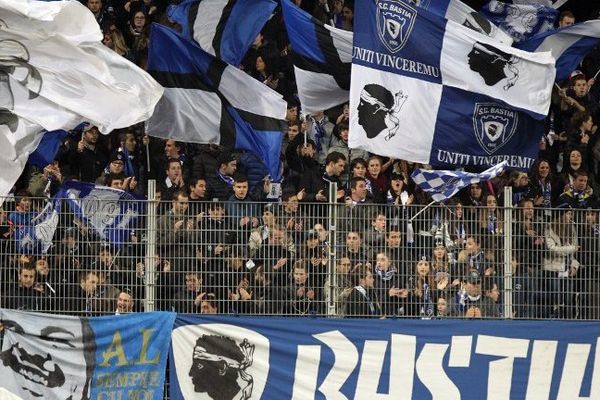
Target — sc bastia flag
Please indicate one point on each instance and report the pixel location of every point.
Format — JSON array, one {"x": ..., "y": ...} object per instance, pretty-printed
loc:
[
  {"x": 457, "y": 11},
  {"x": 208, "y": 101},
  {"x": 431, "y": 91},
  {"x": 224, "y": 29},
  {"x": 568, "y": 45},
  {"x": 322, "y": 58},
  {"x": 521, "y": 21},
  {"x": 59, "y": 357},
  {"x": 442, "y": 185}
]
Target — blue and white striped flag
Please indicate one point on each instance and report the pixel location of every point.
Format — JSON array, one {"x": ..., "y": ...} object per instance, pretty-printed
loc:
[
  {"x": 442, "y": 185},
  {"x": 520, "y": 21},
  {"x": 322, "y": 58},
  {"x": 568, "y": 45},
  {"x": 224, "y": 29},
  {"x": 207, "y": 101}
]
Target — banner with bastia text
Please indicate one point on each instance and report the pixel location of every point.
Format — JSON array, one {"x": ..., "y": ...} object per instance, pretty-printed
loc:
[
  {"x": 214, "y": 357},
  {"x": 113, "y": 357}
]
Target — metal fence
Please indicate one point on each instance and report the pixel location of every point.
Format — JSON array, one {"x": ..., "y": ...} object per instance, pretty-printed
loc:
[{"x": 291, "y": 258}]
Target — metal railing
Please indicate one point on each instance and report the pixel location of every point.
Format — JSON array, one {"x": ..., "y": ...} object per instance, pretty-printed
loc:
[{"x": 327, "y": 259}]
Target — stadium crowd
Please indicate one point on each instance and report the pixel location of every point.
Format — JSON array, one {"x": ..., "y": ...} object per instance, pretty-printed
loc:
[{"x": 230, "y": 240}]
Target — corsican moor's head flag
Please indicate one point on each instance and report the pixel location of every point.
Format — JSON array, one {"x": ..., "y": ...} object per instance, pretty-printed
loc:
[
  {"x": 55, "y": 73},
  {"x": 429, "y": 90},
  {"x": 208, "y": 101},
  {"x": 568, "y": 45},
  {"x": 442, "y": 185},
  {"x": 222, "y": 28},
  {"x": 322, "y": 56}
]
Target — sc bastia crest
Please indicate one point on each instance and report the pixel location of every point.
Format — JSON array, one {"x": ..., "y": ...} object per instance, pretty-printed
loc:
[
  {"x": 494, "y": 125},
  {"x": 395, "y": 22}
]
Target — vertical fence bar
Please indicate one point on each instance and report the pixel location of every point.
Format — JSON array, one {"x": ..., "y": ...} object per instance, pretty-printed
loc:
[
  {"x": 508, "y": 272},
  {"x": 331, "y": 251},
  {"x": 150, "y": 276}
]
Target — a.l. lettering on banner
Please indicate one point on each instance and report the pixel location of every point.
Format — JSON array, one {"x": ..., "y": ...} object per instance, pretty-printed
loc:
[{"x": 120, "y": 357}]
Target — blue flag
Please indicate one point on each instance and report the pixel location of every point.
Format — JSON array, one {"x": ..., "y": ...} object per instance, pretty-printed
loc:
[
  {"x": 46, "y": 151},
  {"x": 217, "y": 357},
  {"x": 208, "y": 101},
  {"x": 461, "y": 100},
  {"x": 111, "y": 213},
  {"x": 322, "y": 54},
  {"x": 224, "y": 29},
  {"x": 35, "y": 237},
  {"x": 521, "y": 21},
  {"x": 568, "y": 45}
]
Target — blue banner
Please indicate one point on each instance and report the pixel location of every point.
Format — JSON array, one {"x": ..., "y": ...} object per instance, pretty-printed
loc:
[
  {"x": 121, "y": 357},
  {"x": 131, "y": 354},
  {"x": 289, "y": 358}
]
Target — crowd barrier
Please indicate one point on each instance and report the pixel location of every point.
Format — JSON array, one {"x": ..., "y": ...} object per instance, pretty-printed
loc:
[{"x": 96, "y": 256}]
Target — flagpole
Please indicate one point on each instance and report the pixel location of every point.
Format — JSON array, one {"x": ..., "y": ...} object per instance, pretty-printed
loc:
[
  {"x": 148, "y": 157},
  {"x": 420, "y": 212}
]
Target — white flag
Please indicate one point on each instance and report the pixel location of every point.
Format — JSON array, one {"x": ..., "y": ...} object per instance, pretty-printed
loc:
[{"x": 55, "y": 73}]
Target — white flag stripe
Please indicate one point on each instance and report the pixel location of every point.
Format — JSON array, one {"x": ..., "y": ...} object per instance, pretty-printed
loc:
[
  {"x": 342, "y": 41},
  {"x": 181, "y": 120},
  {"x": 53, "y": 18},
  {"x": 256, "y": 98},
  {"x": 89, "y": 80},
  {"x": 314, "y": 84},
  {"x": 206, "y": 21}
]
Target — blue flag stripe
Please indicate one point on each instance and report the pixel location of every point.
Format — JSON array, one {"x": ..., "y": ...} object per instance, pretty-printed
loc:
[
  {"x": 239, "y": 21},
  {"x": 221, "y": 27}
]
